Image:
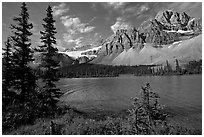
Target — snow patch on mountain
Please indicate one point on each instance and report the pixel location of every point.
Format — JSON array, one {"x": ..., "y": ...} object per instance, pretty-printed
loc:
[
  {"x": 180, "y": 31},
  {"x": 89, "y": 53}
]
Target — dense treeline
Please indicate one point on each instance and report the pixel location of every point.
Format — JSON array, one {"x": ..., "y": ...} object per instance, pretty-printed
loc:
[
  {"x": 93, "y": 70},
  {"x": 96, "y": 70},
  {"x": 193, "y": 67}
]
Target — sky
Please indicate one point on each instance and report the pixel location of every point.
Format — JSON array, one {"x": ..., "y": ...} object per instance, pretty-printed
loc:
[{"x": 83, "y": 23}]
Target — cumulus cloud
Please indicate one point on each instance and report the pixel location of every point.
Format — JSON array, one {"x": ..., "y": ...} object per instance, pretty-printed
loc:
[
  {"x": 125, "y": 9},
  {"x": 78, "y": 41},
  {"x": 70, "y": 39},
  {"x": 74, "y": 25},
  {"x": 115, "y": 5},
  {"x": 143, "y": 8},
  {"x": 59, "y": 10},
  {"x": 96, "y": 37},
  {"x": 109, "y": 5},
  {"x": 86, "y": 29},
  {"x": 120, "y": 24},
  {"x": 96, "y": 34},
  {"x": 67, "y": 38},
  {"x": 75, "y": 30},
  {"x": 59, "y": 45},
  {"x": 134, "y": 10}
]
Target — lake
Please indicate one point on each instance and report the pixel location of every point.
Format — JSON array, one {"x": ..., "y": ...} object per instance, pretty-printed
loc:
[{"x": 181, "y": 94}]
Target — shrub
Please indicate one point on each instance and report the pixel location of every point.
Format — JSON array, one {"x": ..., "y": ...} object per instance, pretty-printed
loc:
[{"x": 147, "y": 112}]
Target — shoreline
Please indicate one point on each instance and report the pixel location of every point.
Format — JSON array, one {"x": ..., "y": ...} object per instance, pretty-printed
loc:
[
  {"x": 132, "y": 75},
  {"x": 184, "y": 119}
]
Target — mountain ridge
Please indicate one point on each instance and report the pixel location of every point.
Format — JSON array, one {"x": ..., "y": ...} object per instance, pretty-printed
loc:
[{"x": 166, "y": 28}]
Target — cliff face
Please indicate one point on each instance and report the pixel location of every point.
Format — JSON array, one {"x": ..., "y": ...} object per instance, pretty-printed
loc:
[
  {"x": 172, "y": 20},
  {"x": 166, "y": 28},
  {"x": 157, "y": 35},
  {"x": 156, "y": 31},
  {"x": 123, "y": 40},
  {"x": 167, "y": 25}
]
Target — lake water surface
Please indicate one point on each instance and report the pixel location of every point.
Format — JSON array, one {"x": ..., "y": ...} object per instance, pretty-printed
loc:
[{"x": 182, "y": 94}]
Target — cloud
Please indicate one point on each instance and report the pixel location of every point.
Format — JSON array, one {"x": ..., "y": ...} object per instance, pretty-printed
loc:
[
  {"x": 75, "y": 30},
  {"x": 120, "y": 24},
  {"x": 116, "y": 5},
  {"x": 74, "y": 25},
  {"x": 109, "y": 5},
  {"x": 59, "y": 10},
  {"x": 125, "y": 9},
  {"x": 59, "y": 45},
  {"x": 132, "y": 11},
  {"x": 70, "y": 39},
  {"x": 143, "y": 8},
  {"x": 78, "y": 41},
  {"x": 96, "y": 34},
  {"x": 86, "y": 29},
  {"x": 94, "y": 6},
  {"x": 193, "y": 9}
]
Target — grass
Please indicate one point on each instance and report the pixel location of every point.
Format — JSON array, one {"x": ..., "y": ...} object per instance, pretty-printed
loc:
[{"x": 79, "y": 123}]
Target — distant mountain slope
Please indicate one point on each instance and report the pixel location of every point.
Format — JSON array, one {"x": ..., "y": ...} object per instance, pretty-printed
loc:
[
  {"x": 184, "y": 51},
  {"x": 63, "y": 59},
  {"x": 169, "y": 36}
]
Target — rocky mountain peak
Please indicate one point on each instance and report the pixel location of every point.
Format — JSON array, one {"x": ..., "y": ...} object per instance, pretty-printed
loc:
[
  {"x": 173, "y": 20},
  {"x": 166, "y": 28},
  {"x": 123, "y": 39}
]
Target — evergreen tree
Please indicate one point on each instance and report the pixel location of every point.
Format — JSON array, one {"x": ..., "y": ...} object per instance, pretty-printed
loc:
[
  {"x": 51, "y": 93},
  {"x": 168, "y": 67},
  {"x": 23, "y": 54},
  {"x": 178, "y": 69},
  {"x": 7, "y": 64},
  {"x": 7, "y": 75}
]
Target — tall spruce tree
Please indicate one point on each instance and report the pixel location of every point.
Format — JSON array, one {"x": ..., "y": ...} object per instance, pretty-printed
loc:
[
  {"x": 7, "y": 74},
  {"x": 178, "y": 69},
  {"x": 23, "y": 54},
  {"x": 7, "y": 64},
  {"x": 50, "y": 66}
]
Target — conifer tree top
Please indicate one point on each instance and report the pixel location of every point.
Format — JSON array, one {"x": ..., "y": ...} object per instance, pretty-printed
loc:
[{"x": 48, "y": 34}]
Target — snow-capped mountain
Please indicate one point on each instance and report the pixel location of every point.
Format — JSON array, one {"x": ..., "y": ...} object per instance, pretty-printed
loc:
[{"x": 169, "y": 36}]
